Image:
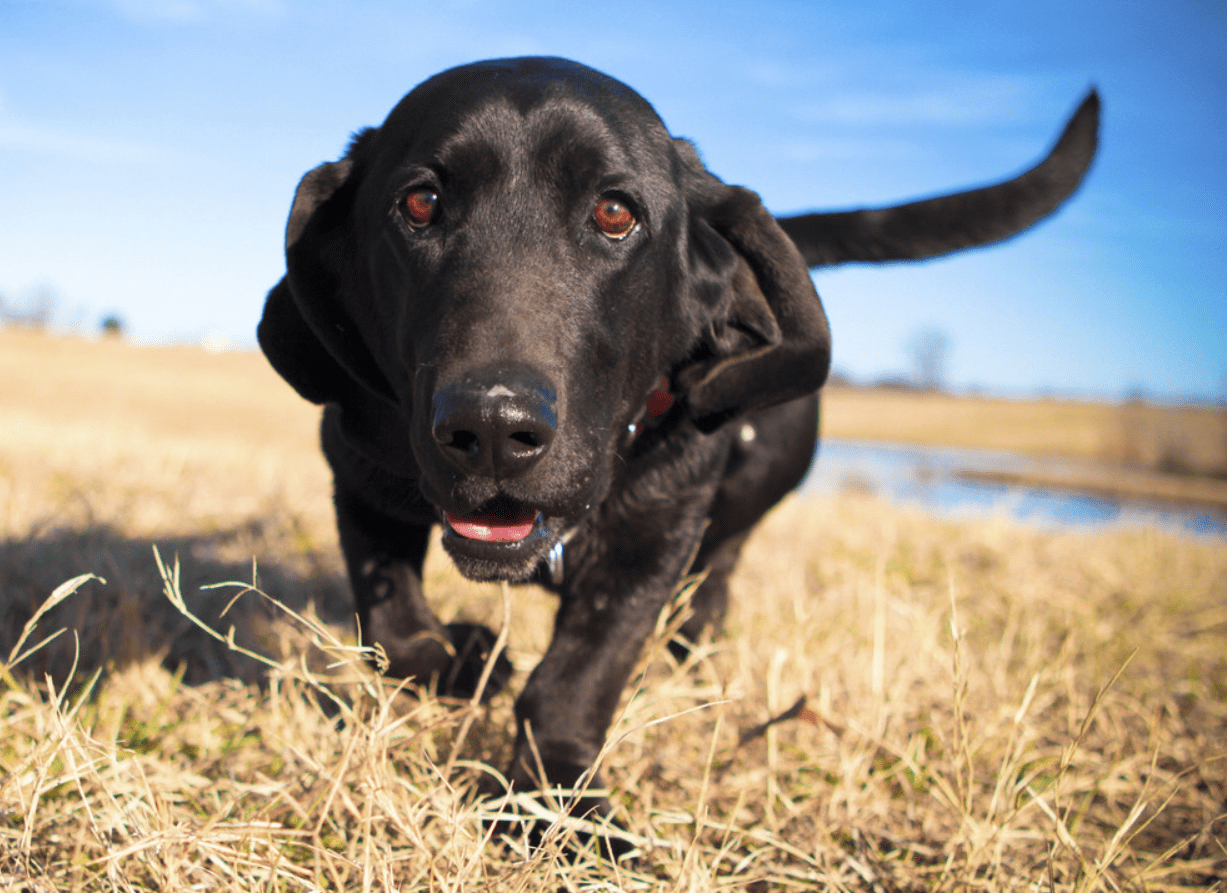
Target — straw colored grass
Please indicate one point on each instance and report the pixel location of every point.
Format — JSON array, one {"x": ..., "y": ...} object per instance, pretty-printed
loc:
[
  {"x": 986, "y": 707},
  {"x": 1183, "y": 440}
]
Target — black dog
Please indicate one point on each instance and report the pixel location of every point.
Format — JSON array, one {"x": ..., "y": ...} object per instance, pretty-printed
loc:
[{"x": 536, "y": 319}]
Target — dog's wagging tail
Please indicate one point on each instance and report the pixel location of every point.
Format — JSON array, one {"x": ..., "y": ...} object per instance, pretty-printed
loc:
[{"x": 536, "y": 320}]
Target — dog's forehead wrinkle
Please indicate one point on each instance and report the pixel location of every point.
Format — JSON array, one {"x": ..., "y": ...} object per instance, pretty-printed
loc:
[
  {"x": 556, "y": 142},
  {"x": 525, "y": 85}
]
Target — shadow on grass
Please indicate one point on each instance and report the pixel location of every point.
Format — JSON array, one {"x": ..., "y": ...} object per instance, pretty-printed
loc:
[{"x": 129, "y": 619}]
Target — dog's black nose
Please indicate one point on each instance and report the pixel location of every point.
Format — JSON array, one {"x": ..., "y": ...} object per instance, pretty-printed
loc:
[{"x": 497, "y": 425}]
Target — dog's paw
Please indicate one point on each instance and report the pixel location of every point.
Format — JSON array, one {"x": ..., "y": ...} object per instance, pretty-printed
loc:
[
  {"x": 534, "y": 819},
  {"x": 473, "y": 644}
]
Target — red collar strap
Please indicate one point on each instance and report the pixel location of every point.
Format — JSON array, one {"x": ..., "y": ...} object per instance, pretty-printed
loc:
[{"x": 660, "y": 401}]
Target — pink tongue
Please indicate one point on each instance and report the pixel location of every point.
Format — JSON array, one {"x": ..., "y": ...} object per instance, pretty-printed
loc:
[{"x": 494, "y": 528}]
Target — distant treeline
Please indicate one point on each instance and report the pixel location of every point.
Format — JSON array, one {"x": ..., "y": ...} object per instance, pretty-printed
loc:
[{"x": 38, "y": 312}]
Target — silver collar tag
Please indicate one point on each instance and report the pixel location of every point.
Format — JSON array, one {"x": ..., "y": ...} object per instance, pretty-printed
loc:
[{"x": 553, "y": 561}]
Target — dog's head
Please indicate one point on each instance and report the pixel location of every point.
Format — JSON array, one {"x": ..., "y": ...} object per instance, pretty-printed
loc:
[{"x": 497, "y": 284}]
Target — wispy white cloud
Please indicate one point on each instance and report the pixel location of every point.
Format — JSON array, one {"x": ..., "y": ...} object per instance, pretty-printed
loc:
[
  {"x": 950, "y": 102},
  {"x": 17, "y": 134},
  {"x": 184, "y": 11},
  {"x": 196, "y": 10},
  {"x": 808, "y": 150},
  {"x": 790, "y": 74}
]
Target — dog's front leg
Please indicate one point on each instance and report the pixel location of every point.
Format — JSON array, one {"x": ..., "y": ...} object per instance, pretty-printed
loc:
[
  {"x": 384, "y": 556},
  {"x": 607, "y": 613}
]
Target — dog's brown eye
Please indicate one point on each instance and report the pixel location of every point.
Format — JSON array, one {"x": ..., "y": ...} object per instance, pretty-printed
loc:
[
  {"x": 420, "y": 206},
  {"x": 614, "y": 218}
]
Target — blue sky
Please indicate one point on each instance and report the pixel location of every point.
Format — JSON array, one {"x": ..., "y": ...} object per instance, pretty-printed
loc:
[{"x": 149, "y": 150}]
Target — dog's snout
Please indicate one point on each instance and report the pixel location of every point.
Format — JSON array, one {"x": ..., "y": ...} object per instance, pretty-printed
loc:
[{"x": 498, "y": 425}]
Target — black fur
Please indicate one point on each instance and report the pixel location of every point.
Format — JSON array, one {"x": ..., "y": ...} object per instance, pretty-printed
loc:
[{"x": 496, "y": 363}]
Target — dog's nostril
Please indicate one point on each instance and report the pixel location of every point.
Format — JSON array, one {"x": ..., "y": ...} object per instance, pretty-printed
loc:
[
  {"x": 526, "y": 438},
  {"x": 465, "y": 441}
]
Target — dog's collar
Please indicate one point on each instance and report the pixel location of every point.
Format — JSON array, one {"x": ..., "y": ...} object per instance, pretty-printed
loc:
[{"x": 659, "y": 402}]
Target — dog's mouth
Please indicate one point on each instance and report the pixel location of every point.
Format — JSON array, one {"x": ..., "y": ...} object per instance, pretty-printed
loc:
[
  {"x": 499, "y": 541},
  {"x": 498, "y": 525}
]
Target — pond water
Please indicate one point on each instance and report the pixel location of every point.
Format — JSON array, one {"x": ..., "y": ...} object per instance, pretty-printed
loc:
[{"x": 926, "y": 476}]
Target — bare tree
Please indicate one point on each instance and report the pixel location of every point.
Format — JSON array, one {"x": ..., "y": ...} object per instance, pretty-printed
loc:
[
  {"x": 1222, "y": 468},
  {"x": 929, "y": 349},
  {"x": 36, "y": 315}
]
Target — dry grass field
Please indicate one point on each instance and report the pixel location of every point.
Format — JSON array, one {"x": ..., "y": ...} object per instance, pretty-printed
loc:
[
  {"x": 1187, "y": 440},
  {"x": 986, "y": 707}
]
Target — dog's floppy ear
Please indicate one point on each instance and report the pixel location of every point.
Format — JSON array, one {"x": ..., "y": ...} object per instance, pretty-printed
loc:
[
  {"x": 766, "y": 336},
  {"x": 937, "y": 226},
  {"x": 305, "y": 331},
  {"x": 295, "y": 351}
]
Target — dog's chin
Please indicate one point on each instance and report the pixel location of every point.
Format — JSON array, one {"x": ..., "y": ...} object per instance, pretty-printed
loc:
[{"x": 487, "y": 560}]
